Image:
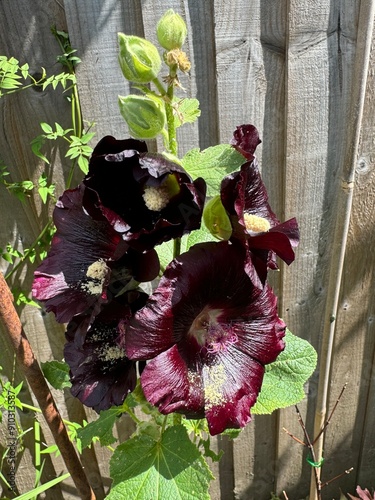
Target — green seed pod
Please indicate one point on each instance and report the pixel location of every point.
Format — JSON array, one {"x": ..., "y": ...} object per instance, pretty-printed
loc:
[
  {"x": 216, "y": 219},
  {"x": 145, "y": 116},
  {"x": 139, "y": 59},
  {"x": 171, "y": 30}
]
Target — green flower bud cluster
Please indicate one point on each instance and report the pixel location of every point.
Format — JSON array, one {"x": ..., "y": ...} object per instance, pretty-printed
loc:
[{"x": 140, "y": 62}]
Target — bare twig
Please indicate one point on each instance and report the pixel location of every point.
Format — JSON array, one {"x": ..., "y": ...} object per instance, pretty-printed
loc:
[
  {"x": 310, "y": 446},
  {"x": 38, "y": 384},
  {"x": 316, "y": 464},
  {"x": 330, "y": 416},
  {"x": 294, "y": 437},
  {"x": 338, "y": 477}
]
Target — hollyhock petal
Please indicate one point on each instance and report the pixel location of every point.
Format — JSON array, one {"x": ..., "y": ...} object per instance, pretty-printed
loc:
[
  {"x": 147, "y": 197},
  {"x": 168, "y": 384},
  {"x": 74, "y": 276},
  {"x": 245, "y": 140},
  {"x": 205, "y": 316},
  {"x": 231, "y": 389},
  {"x": 100, "y": 372},
  {"x": 254, "y": 224}
]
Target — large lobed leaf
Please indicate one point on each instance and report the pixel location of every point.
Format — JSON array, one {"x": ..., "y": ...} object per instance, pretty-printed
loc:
[
  {"x": 284, "y": 379},
  {"x": 171, "y": 467}
]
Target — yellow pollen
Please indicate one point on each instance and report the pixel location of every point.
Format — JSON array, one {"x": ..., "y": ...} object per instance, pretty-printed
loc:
[
  {"x": 113, "y": 353},
  {"x": 96, "y": 274},
  {"x": 156, "y": 198},
  {"x": 256, "y": 224},
  {"x": 97, "y": 270},
  {"x": 214, "y": 382}
]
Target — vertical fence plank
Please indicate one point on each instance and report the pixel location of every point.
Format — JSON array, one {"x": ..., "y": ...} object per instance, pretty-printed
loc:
[
  {"x": 362, "y": 241},
  {"x": 309, "y": 183},
  {"x": 353, "y": 348},
  {"x": 93, "y": 28}
]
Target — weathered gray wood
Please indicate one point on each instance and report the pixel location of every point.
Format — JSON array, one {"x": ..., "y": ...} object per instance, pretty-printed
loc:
[
  {"x": 354, "y": 344},
  {"x": 93, "y": 28},
  {"x": 362, "y": 236}
]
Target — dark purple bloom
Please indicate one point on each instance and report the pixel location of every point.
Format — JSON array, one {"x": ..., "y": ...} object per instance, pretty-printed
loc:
[
  {"x": 210, "y": 332},
  {"x": 245, "y": 140},
  {"x": 88, "y": 262},
  {"x": 100, "y": 372},
  {"x": 245, "y": 198},
  {"x": 145, "y": 196}
]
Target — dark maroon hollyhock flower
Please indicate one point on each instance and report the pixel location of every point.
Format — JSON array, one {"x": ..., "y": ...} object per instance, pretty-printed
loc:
[
  {"x": 254, "y": 224},
  {"x": 100, "y": 372},
  {"x": 88, "y": 261},
  {"x": 245, "y": 140},
  {"x": 143, "y": 195},
  {"x": 210, "y": 332}
]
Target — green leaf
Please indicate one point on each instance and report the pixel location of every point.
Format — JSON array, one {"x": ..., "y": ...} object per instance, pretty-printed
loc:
[
  {"x": 284, "y": 378},
  {"x": 56, "y": 373},
  {"x": 212, "y": 164},
  {"x": 30, "y": 495},
  {"x": 21, "y": 298},
  {"x": 47, "y": 129},
  {"x": 186, "y": 111},
  {"x": 100, "y": 428},
  {"x": 36, "y": 145},
  {"x": 171, "y": 467}
]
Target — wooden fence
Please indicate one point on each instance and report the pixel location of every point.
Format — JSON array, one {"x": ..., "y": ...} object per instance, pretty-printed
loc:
[{"x": 303, "y": 72}]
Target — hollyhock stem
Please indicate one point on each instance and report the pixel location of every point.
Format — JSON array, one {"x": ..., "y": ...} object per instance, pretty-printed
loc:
[
  {"x": 169, "y": 111},
  {"x": 176, "y": 247},
  {"x": 168, "y": 96},
  {"x": 38, "y": 384}
]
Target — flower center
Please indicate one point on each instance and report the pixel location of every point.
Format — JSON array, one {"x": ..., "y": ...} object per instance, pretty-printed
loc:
[
  {"x": 95, "y": 276},
  {"x": 256, "y": 224},
  {"x": 156, "y": 198},
  {"x": 210, "y": 333}
]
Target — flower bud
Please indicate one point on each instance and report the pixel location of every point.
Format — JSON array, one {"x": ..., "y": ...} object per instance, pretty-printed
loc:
[
  {"x": 171, "y": 30},
  {"x": 145, "y": 116},
  {"x": 139, "y": 59},
  {"x": 216, "y": 219}
]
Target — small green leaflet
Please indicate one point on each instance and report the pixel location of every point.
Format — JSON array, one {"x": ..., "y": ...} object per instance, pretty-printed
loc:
[
  {"x": 171, "y": 467},
  {"x": 284, "y": 378},
  {"x": 56, "y": 373},
  {"x": 165, "y": 250},
  {"x": 186, "y": 111},
  {"x": 212, "y": 164},
  {"x": 101, "y": 428}
]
